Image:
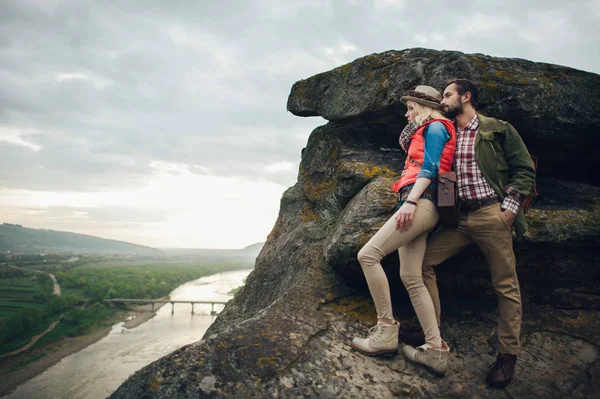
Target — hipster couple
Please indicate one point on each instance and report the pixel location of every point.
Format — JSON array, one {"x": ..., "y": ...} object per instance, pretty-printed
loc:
[{"x": 494, "y": 175}]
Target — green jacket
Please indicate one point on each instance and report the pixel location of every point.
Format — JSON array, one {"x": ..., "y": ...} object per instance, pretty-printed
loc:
[{"x": 504, "y": 161}]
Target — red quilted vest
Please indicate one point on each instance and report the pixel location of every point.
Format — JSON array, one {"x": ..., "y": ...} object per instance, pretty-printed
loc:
[{"x": 416, "y": 152}]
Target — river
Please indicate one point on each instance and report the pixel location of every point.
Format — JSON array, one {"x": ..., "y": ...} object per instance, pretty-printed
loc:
[{"x": 98, "y": 370}]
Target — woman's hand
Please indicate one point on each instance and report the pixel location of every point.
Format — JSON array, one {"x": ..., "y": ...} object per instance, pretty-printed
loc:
[{"x": 404, "y": 216}]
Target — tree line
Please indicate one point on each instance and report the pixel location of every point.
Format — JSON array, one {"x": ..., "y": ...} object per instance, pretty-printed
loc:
[{"x": 84, "y": 287}]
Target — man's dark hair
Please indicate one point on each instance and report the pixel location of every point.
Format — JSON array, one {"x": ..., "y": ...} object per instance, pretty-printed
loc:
[{"x": 463, "y": 86}]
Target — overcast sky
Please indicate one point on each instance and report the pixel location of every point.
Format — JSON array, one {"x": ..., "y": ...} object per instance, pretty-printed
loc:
[{"x": 164, "y": 123}]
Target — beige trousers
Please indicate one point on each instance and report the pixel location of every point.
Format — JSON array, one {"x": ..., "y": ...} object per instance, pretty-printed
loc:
[
  {"x": 486, "y": 228},
  {"x": 411, "y": 248}
]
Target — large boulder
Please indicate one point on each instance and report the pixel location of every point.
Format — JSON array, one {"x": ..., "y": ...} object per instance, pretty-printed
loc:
[
  {"x": 287, "y": 332},
  {"x": 555, "y": 108}
]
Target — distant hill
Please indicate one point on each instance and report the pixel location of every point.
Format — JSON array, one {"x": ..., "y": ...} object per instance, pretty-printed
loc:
[
  {"x": 16, "y": 238},
  {"x": 252, "y": 250},
  {"x": 248, "y": 253}
]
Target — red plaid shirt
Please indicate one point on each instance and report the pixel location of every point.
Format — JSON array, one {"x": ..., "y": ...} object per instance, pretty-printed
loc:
[{"x": 471, "y": 183}]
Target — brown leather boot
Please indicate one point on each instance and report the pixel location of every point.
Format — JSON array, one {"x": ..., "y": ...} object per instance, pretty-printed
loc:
[{"x": 502, "y": 371}]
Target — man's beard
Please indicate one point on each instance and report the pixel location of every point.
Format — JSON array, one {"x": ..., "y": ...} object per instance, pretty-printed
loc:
[{"x": 454, "y": 111}]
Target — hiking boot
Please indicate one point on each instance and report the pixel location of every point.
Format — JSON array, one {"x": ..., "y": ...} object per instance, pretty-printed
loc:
[
  {"x": 382, "y": 338},
  {"x": 412, "y": 335},
  {"x": 435, "y": 360},
  {"x": 501, "y": 373}
]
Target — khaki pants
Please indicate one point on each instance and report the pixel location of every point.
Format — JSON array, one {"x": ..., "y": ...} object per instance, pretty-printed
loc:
[
  {"x": 411, "y": 248},
  {"x": 486, "y": 228}
]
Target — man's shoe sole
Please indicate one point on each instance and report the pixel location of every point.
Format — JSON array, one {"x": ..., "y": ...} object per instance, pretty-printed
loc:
[
  {"x": 499, "y": 385},
  {"x": 429, "y": 368}
]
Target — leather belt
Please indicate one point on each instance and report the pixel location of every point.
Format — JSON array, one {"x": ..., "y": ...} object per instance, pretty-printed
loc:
[
  {"x": 472, "y": 205},
  {"x": 405, "y": 191}
]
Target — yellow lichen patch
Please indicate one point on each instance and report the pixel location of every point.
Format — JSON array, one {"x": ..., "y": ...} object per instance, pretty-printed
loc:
[
  {"x": 490, "y": 85},
  {"x": 276, "y": 232},
  {"x": 343, "y": 70},
  {"x": 368, "y": 171},
  {"x": 510, "y": 76},
  {"x": 363, "y": 238},
  {"x": 155, "y": 383},
  {"x": 374, "y": 171},
  {"x": 565, "y": 216},
  {"x": 477, "y": 61},
  {"x": 383, "y": 80},
  {"x": 309, "y": 216},
  {"x": 583, "y": 319},
  {"x": 265, "y": 361},
  {"x": 398, "y": 57},
  {"x": 504, "y": 75},
  {"x": 496, "y": 77},
  {"x": 304, "y": 174},
  {"x": 558, "y": 222},
  {"x": 265, "y": 334},
  {"x": 319, "y": 191},
  {"x": 334, "y": 153},
  {"x": 358, "y": 309},
  {"x": 301, "y": 88},
  {"x": 492, "y": 76}
]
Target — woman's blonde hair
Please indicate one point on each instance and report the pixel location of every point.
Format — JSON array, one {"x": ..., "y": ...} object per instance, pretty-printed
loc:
[{"x": 423, "y": 111}]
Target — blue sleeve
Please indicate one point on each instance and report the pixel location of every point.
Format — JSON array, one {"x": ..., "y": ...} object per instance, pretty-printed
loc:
[{"x": 436, "y": 137}]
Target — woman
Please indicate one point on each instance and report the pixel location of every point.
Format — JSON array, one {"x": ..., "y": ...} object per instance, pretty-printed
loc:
[{"x": 429, "y": 140}]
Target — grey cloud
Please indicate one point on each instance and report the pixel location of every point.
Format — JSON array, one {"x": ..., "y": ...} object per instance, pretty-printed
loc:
[
  {"x": 217, "y": 97},
  {"x": 63, "y": 167},
  {"x": 130, "y": 220},
  {"x": 113, "y": 215}
]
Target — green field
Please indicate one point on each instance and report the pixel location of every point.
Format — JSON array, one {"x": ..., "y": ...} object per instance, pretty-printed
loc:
[
  {"x": 24, "y": 297},
  {"x": 27, "y": 306},
  {"x": 18, "y": 293},
  {"x": 152, "y": 280},
  {"x": 80, "y": 322}
]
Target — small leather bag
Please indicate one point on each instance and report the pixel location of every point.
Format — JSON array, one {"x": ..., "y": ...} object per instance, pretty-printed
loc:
[{"x": 447, "y": 199}]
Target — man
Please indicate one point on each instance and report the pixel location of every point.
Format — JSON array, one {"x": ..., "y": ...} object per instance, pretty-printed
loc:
[{"x": 494, "y": 173}]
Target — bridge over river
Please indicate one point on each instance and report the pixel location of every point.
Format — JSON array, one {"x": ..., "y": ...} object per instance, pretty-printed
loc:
[{"x": 153, "y": 301}]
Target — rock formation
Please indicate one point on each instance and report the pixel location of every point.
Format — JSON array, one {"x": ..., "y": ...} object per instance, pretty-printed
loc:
[{"x": 287, "y": 332}]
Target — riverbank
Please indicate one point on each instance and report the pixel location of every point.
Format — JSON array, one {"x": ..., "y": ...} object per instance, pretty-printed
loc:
[
  {"x": 141, "y": 314},
  {"x": 18, "y": 369}
]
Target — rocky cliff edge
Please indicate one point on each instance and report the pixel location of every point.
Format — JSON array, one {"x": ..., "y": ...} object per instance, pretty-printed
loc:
[{"x": 287, "y": 332}]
